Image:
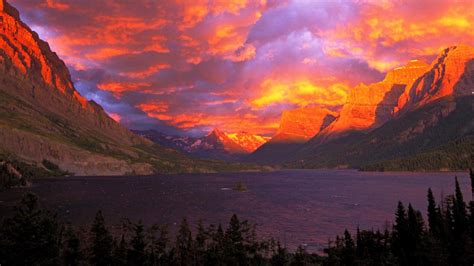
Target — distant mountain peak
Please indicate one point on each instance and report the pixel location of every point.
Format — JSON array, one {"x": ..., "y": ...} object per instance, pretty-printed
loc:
[{"x": 249, "y": 142}]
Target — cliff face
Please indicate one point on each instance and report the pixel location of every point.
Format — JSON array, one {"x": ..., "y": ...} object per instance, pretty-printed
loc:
[
  {"x": 370, "y": 106},
  {"x": 43, "y": 117},
  {"x": 299, "y": 125},
  {"x": 35, "y": 74},
  {"x": 296, "y": 127},
  {"x": 425, "y": 110},
  {"x": 450, "y": 74}
]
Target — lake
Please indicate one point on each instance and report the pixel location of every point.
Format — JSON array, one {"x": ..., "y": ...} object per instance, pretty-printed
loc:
[{"x": 295, "y": 206}]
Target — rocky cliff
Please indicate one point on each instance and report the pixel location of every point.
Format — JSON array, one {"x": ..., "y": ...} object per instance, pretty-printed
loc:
[
  {"x": 416, "y": 109},
  {"x": 299, "y": 125},
  {"x": 296, "y": 127},
  {"x": 449, "y": 74},
  {"x": 370, "y": 106}
]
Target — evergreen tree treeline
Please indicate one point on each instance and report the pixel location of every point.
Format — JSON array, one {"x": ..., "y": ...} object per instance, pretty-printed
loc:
[{"x": 34, "y": 236}]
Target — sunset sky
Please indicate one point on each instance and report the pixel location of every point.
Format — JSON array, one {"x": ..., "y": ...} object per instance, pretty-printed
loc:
[{"x": 187, "y": 66}]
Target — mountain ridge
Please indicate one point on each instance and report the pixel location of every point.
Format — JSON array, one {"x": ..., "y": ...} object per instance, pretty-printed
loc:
[{"x": 215, "y": 145}]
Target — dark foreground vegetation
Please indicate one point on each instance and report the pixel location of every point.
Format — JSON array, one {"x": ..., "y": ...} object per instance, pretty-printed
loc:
[
  {"x": 35, "y": 236},
  {"x": 15, "y": 173}
]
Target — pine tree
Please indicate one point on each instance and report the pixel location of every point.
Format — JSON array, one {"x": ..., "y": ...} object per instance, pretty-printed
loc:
[
  {"x": 102, "y": 242},
  {"x": 461, "y": 244},
  {"x": 217, "y": 248},
  {"x": 184, "y": 245},
  {"x": 31, "y": 236},
  {"x": 280, "y": 257},
  {"x": 120, "y": 252},
  {"x": 72, "y": 254},
  {"x": 136, "y": 253},
  {"x": 414, "y": 237},
  {"x": 359, "y": 248},
  {"x": 348, "y": 250},
  {"x": 301, "y": 257},
  {"x": 200, "y": 244},
  {"x": 234, "y": 248},
  {"x": 459, "y": 211},
  {"x": 158, "y": 248},
  {"x": 433, "y": 215},
  {"x": 400, "y": 234}
]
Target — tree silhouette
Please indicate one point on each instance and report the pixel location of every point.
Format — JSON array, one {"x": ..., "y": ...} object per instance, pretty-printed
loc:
[
  {"x": 136, "y": 253},
  {"x": 102, "y": 242},
  {"x": 184, "y": 245},
  {"x": 31, "y": 236},
  {"x": 72, "y": 254}
]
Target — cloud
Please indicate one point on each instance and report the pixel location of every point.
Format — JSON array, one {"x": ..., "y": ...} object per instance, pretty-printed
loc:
[{"x": 184, "y": 67}]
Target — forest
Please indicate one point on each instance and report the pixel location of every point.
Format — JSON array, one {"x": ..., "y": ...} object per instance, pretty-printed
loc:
[{"x": 33, "y": 235}]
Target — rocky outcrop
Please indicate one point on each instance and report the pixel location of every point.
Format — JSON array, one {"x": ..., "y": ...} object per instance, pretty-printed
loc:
[
  {"x": 451, "y": 73},
  {"x": 432, "y": 114},
  {"x": 296, "y": 127},
  {"x": 369, "y": 106},
  {"x": 299, "y": 125}
]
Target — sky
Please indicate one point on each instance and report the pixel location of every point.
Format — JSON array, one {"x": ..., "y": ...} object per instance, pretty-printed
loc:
[{"x": 185, "y": 67}]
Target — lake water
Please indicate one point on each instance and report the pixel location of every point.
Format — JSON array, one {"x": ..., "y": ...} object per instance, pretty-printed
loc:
[{"x": 295, "y": 206}]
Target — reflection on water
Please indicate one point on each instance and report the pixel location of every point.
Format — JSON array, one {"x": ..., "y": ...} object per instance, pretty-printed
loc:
[{"x": 296, "y": 206}]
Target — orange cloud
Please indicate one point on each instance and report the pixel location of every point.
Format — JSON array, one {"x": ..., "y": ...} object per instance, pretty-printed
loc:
[
  {"x": 104, "y": 53},
  {"x": 386, "y": 35},
  {"x": 146, "y": 73},
  {"x": 245, "y": 53},
  {"x": 156, "y": 107},
  {"x": 118, "y": 88},
  {"x": 301, "y": 93},
  {"x": 53, "y": 4}
]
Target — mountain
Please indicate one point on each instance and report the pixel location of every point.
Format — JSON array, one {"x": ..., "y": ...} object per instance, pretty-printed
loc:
[
  {"x": 46, "y": 123},
  {"x": 248, "y": 142},
  {"x": 215, "y": 145},
  {"x": 296, "y": 127},
  {"x": 449, "y": 74},
  {"x": 431, "y": 122},
  {"x": 174, "y": 142},
  {"x": 436, "y": 136},
  {"x": 370, "y": 106}
]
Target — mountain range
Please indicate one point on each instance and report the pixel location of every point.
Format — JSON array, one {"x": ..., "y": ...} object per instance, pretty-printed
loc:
[
  {"x": 420, "y": 117},
  {"x": 215, "y": 145}
]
